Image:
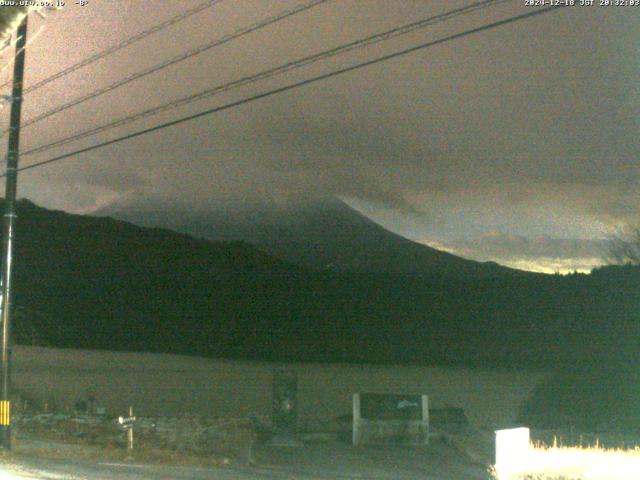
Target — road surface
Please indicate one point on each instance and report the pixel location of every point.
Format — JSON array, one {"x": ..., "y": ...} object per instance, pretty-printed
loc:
[{"x": 322, "y": 461}]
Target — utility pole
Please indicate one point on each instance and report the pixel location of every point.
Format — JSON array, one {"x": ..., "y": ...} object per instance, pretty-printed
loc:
[{"x": 7, "y": 236}]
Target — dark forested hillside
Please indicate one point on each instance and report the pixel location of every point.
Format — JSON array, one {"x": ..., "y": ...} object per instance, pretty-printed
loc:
[{"x": 87, "y": 282}]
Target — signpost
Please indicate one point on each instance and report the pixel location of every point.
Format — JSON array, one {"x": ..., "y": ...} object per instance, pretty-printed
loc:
[
  {"x": 127, "y": 423},
  {"x": 390, "y": 418}
]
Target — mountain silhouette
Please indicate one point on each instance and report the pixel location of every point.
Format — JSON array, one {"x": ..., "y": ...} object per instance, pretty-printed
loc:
[{"x": 324, "y": 234}]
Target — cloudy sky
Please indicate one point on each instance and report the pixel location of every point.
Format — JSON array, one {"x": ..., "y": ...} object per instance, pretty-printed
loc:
[{"x": 518, "y": 144}]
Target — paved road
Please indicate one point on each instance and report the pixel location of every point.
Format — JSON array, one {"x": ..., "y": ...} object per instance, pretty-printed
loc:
[
  {"x": 338, "y": 461},
  {"x": 328, "y": 461},
  {"x": 44, "y": 469}
]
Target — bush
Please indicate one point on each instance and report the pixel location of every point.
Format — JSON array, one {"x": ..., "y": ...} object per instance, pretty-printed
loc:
[{"x": 588, "y": 397}]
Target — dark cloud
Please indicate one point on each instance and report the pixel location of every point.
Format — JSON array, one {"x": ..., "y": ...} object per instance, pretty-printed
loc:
[{"x": 529, "y": 129}]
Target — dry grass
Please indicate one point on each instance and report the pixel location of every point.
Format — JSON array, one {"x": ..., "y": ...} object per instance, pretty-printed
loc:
[
  {"x": 141, "y": 454},
  {"x": 573, "y": 463},
  {"x": 181, "y": 441}
]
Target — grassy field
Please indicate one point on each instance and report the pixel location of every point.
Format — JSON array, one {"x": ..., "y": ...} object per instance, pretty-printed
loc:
[{"x": 170, "y": 385}]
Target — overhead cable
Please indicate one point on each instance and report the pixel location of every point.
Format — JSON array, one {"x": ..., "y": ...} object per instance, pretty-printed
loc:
[
  {"x": 292, "y": 86},
  {"x": 299, "y": 63},
  {"x": 172, "y": 61},
  {"x": 119, "y": 46}
]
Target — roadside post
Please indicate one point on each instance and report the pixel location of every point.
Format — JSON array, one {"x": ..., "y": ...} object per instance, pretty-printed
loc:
[{"x": 512, "y": 451}]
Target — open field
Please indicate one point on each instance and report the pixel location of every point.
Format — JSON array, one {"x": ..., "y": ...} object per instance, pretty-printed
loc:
[{"x": 170, "y": 385}]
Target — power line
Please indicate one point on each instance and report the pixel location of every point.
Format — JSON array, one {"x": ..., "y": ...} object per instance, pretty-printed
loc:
[
  {"x": 364, "y": 42},
  {"x": 294, "y": 85},
  {"x": 125, "y": 43},
  {"x": 179, "y": 58}
]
